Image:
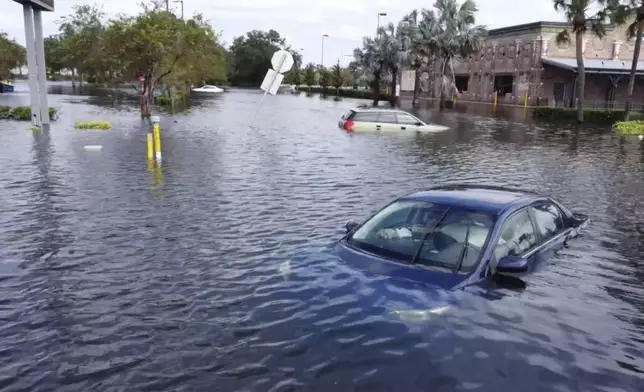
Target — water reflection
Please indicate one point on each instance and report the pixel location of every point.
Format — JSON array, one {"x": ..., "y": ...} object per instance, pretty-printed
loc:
[{"x": 175, "y": 276}]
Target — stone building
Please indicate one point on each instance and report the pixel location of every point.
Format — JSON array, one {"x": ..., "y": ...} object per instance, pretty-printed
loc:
[{"x": 526, "y": 59}]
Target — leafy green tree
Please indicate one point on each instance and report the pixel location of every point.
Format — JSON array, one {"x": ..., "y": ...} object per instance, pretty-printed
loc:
[
  {"x": 632, "y": 11},
  {"x": 309, "y": 75},
  {"x": 325, "y": 79},
  {"x": 250, "y": 56},
  {"x": 337, "y": 79},
  {"x": 163, "y": 49},
  {"x": 12, "y": 55},
  {"x": 82, "y": 43},
  {"x": 54, "y": 54},
  {"x": 294, "y": 76},
  {"x": 583, "y": 20}
]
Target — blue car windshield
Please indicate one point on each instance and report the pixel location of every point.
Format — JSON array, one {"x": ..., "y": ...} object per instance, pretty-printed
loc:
[{"x": 426, "y": 233}]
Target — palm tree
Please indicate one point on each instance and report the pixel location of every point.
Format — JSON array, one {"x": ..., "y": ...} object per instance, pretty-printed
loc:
[
  {"x": 395, "y": 46},
  {"x": 422, "y": 30},
  {"x": 577, "y": 14},
  {"x": 457, "y": 37},
  {"x": 371, "y": 59},
  {"x": 632, "y": 10}
]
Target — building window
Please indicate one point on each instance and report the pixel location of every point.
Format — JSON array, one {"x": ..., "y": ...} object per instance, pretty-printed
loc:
[
  {"x": 503, "y": 84},
  {"x": 461, "y": 82}
]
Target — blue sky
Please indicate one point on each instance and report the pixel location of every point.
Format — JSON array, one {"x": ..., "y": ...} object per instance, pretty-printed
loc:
[{"x": 301, "y": 22}]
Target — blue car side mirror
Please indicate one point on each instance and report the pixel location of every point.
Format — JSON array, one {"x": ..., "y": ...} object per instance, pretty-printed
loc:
[
  {"x": 512, "y": 264},
  {"x": 351, "y": 226}
]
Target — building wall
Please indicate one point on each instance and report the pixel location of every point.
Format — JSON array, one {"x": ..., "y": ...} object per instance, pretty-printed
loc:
[{"x": 519, "y": 54}]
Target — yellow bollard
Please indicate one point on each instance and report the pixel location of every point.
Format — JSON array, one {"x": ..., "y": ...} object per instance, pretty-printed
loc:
[
  {"x": 496, "y": 99},
  {"x": 150, "y": 147},
  {"x": 525, "y": 103},
  {"x": 157, "y": 142}
]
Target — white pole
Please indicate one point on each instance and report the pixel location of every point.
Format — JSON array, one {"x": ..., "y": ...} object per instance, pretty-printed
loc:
[
  {"x": 42, "y": 67},
  {"x": 32, "y": 66},
  {"x": 279, "y": 67}
]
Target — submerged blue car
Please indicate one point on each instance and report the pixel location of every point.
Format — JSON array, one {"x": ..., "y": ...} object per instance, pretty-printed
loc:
[{"x": 458, "y": 235}]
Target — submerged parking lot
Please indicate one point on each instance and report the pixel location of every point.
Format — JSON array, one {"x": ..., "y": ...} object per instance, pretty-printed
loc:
[{"x": 119, "y": 275}]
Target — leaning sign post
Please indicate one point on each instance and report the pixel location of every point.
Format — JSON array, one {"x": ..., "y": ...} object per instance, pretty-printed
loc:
[
  {"x": 282, "y": 62},
  {"x": 36, "y": 68}
]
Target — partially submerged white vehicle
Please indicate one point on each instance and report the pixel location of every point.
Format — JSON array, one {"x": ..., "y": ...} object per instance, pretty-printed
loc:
[
  {"x": 384, "y": 120},
  {"x": 208, "y": 89}
]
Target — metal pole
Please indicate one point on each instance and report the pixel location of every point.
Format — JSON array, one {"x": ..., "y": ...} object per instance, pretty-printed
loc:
[
  {"x": 182, "y": 10},
  {"x": 32, "y": 67},
  {"x": 42, "y": 67},
  {"x": 167, "y": 5},
  {"x": 322, "y": 59},
  {"x": 378, "y": 25}
]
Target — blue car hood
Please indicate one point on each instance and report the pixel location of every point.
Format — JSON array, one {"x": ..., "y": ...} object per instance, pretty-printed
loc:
[{"x": 416, "y": 277}]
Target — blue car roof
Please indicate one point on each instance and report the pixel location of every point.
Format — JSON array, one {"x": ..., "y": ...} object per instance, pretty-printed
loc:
[{"x": 483, "y": 198}]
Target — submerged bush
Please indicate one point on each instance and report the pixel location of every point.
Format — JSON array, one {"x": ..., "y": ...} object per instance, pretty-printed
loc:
[
  {"x": 164, "y": 100},
  {"x": 635, "y": 127},
  {"x": 598, "y": 116},
  {"x": 92, "y": 125},
  {"x": 22, "y": 113}
]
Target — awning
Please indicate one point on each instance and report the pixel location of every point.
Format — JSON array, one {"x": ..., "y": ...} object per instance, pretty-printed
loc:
[{"x": 596, "y": 66}]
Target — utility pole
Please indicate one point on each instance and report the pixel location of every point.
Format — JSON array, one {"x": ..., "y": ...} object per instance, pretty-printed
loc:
[{"x": 167, "y": 5}]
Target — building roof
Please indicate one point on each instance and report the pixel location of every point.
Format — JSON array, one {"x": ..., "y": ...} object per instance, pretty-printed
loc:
[
  {"x": 534, "y": 26},
  {"x": 596, "y": 65},
  {"x": 489, "y": 199}
]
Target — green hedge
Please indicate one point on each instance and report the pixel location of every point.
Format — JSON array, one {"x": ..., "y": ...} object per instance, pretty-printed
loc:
[
  {"x": 92, "y": 125},
  {"x": 604, "y": 116},
  {"x": 625, "y": 128},
  {"x": 22, "y": 113},
  {"x": 344, "y": 92}
]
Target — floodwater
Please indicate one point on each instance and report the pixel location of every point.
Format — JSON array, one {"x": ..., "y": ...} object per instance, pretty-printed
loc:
[{"x": 214, "y": 271}]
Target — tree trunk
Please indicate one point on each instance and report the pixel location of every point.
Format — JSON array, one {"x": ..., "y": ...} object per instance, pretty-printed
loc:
[
  {"x": 73, "y": 78},
  {"x": 581, "y": 76},
  {"x": 394, "y": 82},
  {"x": 454, "y": 89},
  {"x": 631, "y": 79},
  {"x": 144, "y": 97},
  {"x": 414, "y": 101},
  {"x": 376, "y": 90},
  {"x": 442, "y": 84}
]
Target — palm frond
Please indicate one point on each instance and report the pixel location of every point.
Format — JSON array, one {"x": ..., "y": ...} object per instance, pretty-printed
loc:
[
  {"x": 631, "y": 30},
  {"x": 563, "y": 37},
  {"x": 560, "y": 5}
]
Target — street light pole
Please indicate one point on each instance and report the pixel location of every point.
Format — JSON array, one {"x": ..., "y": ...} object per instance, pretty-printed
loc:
[
  {"x": 379, "y": 15},
  {"x": 322, "y": 60}
]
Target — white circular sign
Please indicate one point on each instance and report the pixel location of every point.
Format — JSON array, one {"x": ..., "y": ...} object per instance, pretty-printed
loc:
[{"x": 282, "y": 61}]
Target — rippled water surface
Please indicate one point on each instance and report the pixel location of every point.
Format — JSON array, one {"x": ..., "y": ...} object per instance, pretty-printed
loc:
[{"x": 214, "y": 272}]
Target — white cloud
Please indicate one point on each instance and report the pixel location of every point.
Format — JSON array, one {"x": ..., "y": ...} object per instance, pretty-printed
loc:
[{"x": 301, "y": 22}]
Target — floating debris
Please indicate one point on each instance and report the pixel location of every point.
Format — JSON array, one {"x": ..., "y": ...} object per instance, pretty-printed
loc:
[
  {"x": 285, "y": 269},
  {"x": 93, "y": 147},
  {"x": 421, "y": 315}
]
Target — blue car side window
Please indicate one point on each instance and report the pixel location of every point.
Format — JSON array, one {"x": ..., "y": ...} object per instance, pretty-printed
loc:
[
  {"x": 548, "y": 220},
  {"x": 517, "y": 237}
]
